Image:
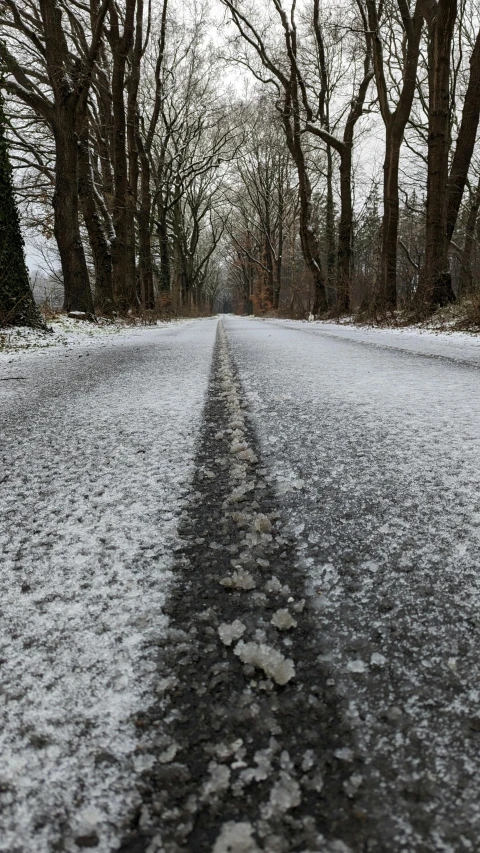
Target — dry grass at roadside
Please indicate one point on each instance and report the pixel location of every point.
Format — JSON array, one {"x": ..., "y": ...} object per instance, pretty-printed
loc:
[{"x": 462, "y": 316}]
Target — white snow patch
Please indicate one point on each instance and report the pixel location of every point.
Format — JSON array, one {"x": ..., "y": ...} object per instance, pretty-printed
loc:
[
  {"x": 263, "y": 760},
  {"x": 98, "y": 447},
  {"x": 353, "y": 784},
  {"x": 273, "y": 585},
  {"x": 168, "y": 754}
]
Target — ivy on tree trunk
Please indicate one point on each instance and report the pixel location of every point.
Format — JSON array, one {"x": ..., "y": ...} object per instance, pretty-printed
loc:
[{"x": 17, "y": 306}]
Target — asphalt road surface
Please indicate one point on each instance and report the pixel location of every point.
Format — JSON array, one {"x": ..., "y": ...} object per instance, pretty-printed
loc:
[{"x": 240, "y": 586}]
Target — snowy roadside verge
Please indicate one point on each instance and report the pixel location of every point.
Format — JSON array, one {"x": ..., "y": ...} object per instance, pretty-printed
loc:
[
  {"x": 456, "y": 346},
  {"x": 96, "y": 457},
  {"x": 65, "y": 331}
]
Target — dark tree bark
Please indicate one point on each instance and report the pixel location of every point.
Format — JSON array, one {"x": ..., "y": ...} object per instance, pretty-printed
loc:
[
  {"x": 147, "y": 295},
  {"x": 144, "y": 215},
  {"x": 344, "y": 148},
  {"x": 164, "y": 247},
  {"x": 17, "y": 306},
  {"x": 134, "y": 144},
  {"x": 436, "y": 284},
  {"x": 78, "y": 294},
  {"x": 465, "y": 142},
  {"x": 69, "y": 80},
  {"x": 466, "y": 276},
  {"x": 293, "y": 87},
  {"x": 330, "y": 235},
  {"x": 281, "y": 238},
  {"x": 100, "y": 245},
  {"x": 123, "y": 282},
  {"x": 395, "y": 122},
  {"x": 308, "y": 237}
]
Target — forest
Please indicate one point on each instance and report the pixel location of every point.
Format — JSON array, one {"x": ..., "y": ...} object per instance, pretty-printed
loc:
[{"x": 181, "y": 158}]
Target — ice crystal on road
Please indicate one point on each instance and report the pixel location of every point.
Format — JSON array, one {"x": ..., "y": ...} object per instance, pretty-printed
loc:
[
  {"x": 236, "y": 838},
  {"x": 272, "y": 662},
  {"x": 285, "y": 795},
  {"x": 283, "y": 620},
  {"x": 357, "y": 666},
  {"x": 239, "y": 580},
  {"x": 230, "y": 632}
]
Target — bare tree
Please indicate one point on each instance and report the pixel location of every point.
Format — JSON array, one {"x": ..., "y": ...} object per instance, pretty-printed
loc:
[
  {"x": 53, "y": 88},
  {"x": 435, "y": 284},
  {"x": 266, "y": 199},
  {"x": 408, "y": 24}
]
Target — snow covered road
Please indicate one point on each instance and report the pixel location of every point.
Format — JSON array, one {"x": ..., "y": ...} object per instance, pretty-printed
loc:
[
  {"x": 241, "y": 597},
  {"x": 375, "y": 456},
  {"x": 96, "y": 456}
]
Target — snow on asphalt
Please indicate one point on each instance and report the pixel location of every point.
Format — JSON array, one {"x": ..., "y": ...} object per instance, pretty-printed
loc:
[
  {"x": 375, "y": 457},
  {"x": 96, "y": 447}
]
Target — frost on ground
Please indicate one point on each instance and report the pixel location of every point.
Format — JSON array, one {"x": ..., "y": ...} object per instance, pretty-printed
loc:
[
  {"x": 374, "y": 453},
  {"x": 65, "y": 331},
  {"x": 96, "y": 456},
  {"x": 252, "y": 715}
]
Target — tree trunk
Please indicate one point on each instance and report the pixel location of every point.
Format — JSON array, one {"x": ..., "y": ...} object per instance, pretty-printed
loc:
[
  {"x": 395, "y": 122},
  {"x": 165, "y": 260},
  {"x": 330, "y": 231},
  {"x": 144, "y": 145},
  {"x": 345, "y": 229},
  {"x": 78, "y": 294},
  {"x": 309, "y": 243},
  {"x": 387, "y": 296},
  {"x": 123, "y": 294},
  {"x": 178, "y": 284},
  {"x": 436, "y": 284},
  {"x": 465, "y": 141},
  {"x": 144, "y": 241},
  {"x": 308, "y": 237},
  {"x": 132, "y": 144},
  {"x": 466, "y": 277},
  {"x": 102, "y": 257},
  {"x": 17, "y": 306},
  {"x": 279, "y": 264},
  {"x": 123, "y": 283}
]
